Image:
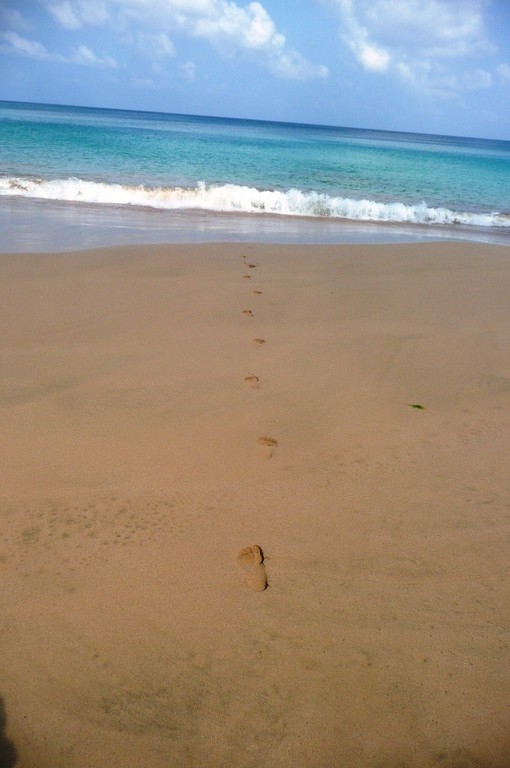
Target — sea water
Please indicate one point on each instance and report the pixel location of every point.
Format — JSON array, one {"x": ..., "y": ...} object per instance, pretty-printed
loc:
[{"x": 80, "y": 176}]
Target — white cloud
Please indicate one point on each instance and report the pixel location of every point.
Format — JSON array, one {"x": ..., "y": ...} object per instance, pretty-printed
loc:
[
  {"x": 17, "y": 45},
  {"x": 226, "y": 25},
  {"x": 374, "y": 58},
  {"x": 84, "y": 55},
  {"x": 13, "y": 44},
  {"x": 65, "y": 15},
  {"x": 12, "y": 19},
  {"x": 479, "y": 78},
  {"x": 370, "y": 55},
  {"x": 431, "y": 27},
  {"x": 231, "y": 28},
  {"x": 189, "y": 69},
  {"x": 503, "y": 70},
  {"x": 423, "y": 42},
  {"x": 290, "y": 65},
  {"x": 250, "y": 27},
  {"x": 157, "y": 46},
  {"x": 75, "y": 14}
]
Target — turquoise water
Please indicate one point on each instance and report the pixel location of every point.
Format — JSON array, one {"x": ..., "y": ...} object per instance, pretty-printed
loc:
[{"x": 179, "y": 163}]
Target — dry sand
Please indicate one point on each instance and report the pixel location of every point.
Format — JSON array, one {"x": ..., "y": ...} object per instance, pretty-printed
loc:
[{"x": 148, "y": 435}]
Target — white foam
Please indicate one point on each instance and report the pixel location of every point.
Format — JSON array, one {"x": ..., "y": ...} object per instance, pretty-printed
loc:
[{"x": 234, "y": 198}]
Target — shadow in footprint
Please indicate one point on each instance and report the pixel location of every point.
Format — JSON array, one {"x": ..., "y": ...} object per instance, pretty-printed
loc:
[
  {"x": 8, "y": 756},
  {"x": 252, "y": 381},
  {"x": 266, "y": 446}
]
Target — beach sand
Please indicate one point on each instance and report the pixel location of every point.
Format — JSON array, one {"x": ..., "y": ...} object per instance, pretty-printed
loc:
[{"x": 165, "y": 407}]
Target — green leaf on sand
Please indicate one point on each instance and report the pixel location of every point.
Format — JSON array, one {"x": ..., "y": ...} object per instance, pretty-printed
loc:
[{"x": 417, "y": 406}]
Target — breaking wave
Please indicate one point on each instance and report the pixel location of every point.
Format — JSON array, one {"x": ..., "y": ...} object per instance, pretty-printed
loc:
[{"x": 232, "y": 198}]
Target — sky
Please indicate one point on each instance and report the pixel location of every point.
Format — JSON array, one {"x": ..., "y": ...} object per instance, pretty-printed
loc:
[{"x": 431, "y": 66}]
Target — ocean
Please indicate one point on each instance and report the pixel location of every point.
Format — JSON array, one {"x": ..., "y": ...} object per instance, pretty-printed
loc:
[{"x": 76, "y": 177}]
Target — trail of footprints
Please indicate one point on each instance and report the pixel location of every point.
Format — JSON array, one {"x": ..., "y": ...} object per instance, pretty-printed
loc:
[
  {"x": 56, "y": 537},
  {"x": 266, "y": 444},
  {"x": 251, "y": 559}
]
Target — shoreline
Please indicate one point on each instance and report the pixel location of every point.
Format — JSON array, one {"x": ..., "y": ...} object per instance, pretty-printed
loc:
[
  {"x": 139, "y": 410},
  {"x": 32, "y": 225}
]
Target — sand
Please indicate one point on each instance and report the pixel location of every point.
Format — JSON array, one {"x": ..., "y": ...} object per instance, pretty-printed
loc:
[{"x": 148, "y": 437}]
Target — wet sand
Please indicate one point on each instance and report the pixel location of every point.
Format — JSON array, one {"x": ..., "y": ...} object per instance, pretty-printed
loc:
[{"x": 167, "y": 408}]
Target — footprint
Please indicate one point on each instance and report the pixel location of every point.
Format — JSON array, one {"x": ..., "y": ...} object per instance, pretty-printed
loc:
[
  {"x": 251, "y": 562},
  {"x": 257, "y": 293},
  {"x": 247, "y": 312},
  {"x": 252, "y": 381},
  {"x": 258, "y": 342},
  {"x": 246, "y": 277},
  {"x": 251, "y": 266},
  {"x": 267, "y": 445}
]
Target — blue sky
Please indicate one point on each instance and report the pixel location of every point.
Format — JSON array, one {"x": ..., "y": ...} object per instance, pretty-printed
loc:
[{"x": 437, "y": 66}]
